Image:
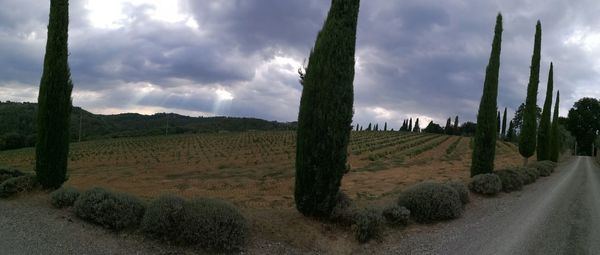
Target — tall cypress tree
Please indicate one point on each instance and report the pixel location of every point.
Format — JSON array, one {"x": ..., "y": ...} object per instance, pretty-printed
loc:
[
  {"x": 410, "y": 127},
  {"x": 510, "y": 134},
  {"x": 498, "y": 129},
  {"x": 369, "y": 127},
  {"x": 376, "y": 127},
  {"x": 448, "y": 128},
  {"x": 528, "y": 137},
  {"x": 456, "y": 131},
  {"x": 503, "y": 135},
  {"x": 544, "y": 133},
  {"x": 484, "y": 146},
  {"x": 54, "y": 101},
  {"x": 385, "y": 126},
  {"x": 554, "y": 134},
  {"x": 326, "y": 110},
  {"x": 417, "y": 129}
]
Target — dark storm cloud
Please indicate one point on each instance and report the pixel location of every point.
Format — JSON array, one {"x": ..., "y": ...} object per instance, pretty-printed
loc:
[{"x": 414, "y": 58}]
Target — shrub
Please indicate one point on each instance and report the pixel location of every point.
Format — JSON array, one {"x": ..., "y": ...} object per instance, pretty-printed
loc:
[
  {"x": 367, "y": 225},
  {"x": 544, "y": 167},
  {"x": 462, "y": 189},
  {"x": 342, "y": 213},
  {"x": 396, "y": 215},
  {"x": 429, "y": 202},
  {"x": 163, "y": 218},
  {"x": 530, "y": 174},
  {"x": 486, "y": 184},
  {"x": 213, "y": 224},
  {"x": 16, "y": 185},
  {"x": 111, "y": 210},
  {"x": 7, "y": 173},
  {"x": 64, "y": 197},
  {"x": 511, "y": 180}
]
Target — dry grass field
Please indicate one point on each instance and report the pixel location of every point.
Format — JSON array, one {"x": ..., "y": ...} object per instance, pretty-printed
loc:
[{"x": 255, "y": 171}]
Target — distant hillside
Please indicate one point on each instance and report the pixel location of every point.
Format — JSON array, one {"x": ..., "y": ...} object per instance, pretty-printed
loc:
[{"x": 17, "y": 124}]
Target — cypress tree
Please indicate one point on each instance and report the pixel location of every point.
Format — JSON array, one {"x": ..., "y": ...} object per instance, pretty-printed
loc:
[
  {"x": 54, "y": 101},
  {"x": 554, "y": 134},
  {"x": 498, "y": 124},
  {"x": 410, "y": 127},
  {"x": 369, "y": 127},
  {"x": 504, "y": 124},
  {"x": 376, "y": 127},
  {"x": 403, "y": 128},
  {"x": 527, "y": 142},
  {"x": 385, "y": 127},
  {"x": 510, "y": 134},
  {"x": 543, "y": 139},
  {"x": 484, "y": 145},
  {"x": 456, "y": 131},
  {"x": 326, "y": 110},
  {"x": 448, "y": 128},
  {"x": 417, "y": 129}
]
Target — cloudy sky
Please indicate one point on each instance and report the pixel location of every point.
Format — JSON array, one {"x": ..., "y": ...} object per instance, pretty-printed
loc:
[{"x": 415, "y": 58}]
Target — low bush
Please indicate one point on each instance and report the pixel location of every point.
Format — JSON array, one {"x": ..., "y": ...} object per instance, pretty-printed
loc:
[
  {"x": 111, "y": 210},
  {"x": 544, "y": 167},
  {"x": 343, "y": 212},
  {"x": 486, "y": 184},
  {"x": 213, "y": 224},
  {"x": 163, "y": 218},
  {"x": 396, "y": 215},
  {"x": 530, "y": 174},
  {"x": 367, "y": 224},
  {"x": 430, "y": 202},
  {"x": 511, "y": 180},
  {"x": 64, "y": 197},
  {"x": 462, "y": 189},
  {"x": 7, "y": 173},
  {"x": 16, "y": 185}
]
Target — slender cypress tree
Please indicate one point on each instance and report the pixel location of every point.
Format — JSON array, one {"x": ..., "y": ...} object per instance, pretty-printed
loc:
[
  {"x": 54, "y": 101},
  {"x": 385, "y": 127},
  {"x": 484, "y": 146},
  {"x": 410, "y": 127},
  {"x": 543, "y": 139},
  {"x": 456, "y": 131},
  {"x": 369, "y": 127},
  {"x": 554, "y": 134},
  {"x": 510, "y": 134},
  {"x": 448, "y": 128},
  {"x": 498, "y": 125},
  {"x": 527, "y": 142},
  {"x": 403, "y": 128},
  {"x": 504, "y": 125},
  {"x": 376, "y": 127},
  {"x": 417, "y": 129},
  {"x": 326, "y": 110}
]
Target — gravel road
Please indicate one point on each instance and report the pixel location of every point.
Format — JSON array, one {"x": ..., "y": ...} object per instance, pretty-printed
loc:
[{"x": 559, "y": 214}]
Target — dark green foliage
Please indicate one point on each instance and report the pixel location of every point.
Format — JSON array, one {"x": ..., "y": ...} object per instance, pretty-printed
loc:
[
  {"x": 367, "y": 224},
  {"x": 511, "y": 180},
  {"x": 369, "y": 127},
  {"x": 456, "y": 130},
  {"x": 433, "y": 128},
  {"x": 111, "y": 210},
  {"x": 396, "y": 215},
  {"x": 544, "y": 135},
  {"x": 462, "y": 189},
  {"x": 163, "y": 218},
  {"x": 376, "y": 127},
  {"x": 410, "y": 126},
  {"x": 468, "y": 128},
  {"x": 54, "y": 100},
  {"x": 326, "y": 110},
  {"x": 7, "y": 173},
  {"x": 64, "y": 197},
  {"x": 430, "y": 202},
  {"x": 213, "y": 225},
  {"x": 554, "y": 132},
  {"x": 583, "y": 121},
  {"x": 486, "y": 184},
  {"x": 518, "y": 118},
  {"x": 545, "y": 168},
  {"x": 529, "y": 174},
  {"x": 343, "y": 212},
  {"x": 498, "y": 126},
  {"x": 385, "y": 127},
  {"x": 417, "y": 129},
  {"x": 527, "y": 141},
  {"x": 448, "y": 127},
  {"x": 17, "y": 185},
  {"x": 503, "y": 133},
  {"x": 510, "y": 135},
  {"x": 484, "y": 149}
]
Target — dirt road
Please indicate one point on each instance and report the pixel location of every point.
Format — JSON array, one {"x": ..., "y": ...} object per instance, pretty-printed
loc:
[{"x": 559, "y": 214}]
